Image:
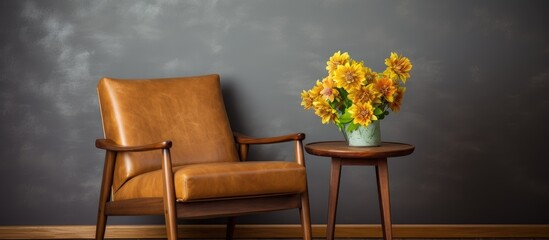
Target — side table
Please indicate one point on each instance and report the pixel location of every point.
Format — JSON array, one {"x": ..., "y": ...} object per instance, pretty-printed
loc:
[{"x": 342, "y": 154}]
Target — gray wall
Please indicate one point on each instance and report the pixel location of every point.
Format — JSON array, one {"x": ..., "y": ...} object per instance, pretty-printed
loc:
[{"x": 476, "y": 107}]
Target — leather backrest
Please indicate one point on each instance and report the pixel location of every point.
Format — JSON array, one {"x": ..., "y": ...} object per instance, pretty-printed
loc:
[{"x": 188, "y": 111}]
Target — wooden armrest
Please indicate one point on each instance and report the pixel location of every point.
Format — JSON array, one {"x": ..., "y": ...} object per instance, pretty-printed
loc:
[
  {"x": 110, "y": 145},
  {"x": 243, "y": 139}
]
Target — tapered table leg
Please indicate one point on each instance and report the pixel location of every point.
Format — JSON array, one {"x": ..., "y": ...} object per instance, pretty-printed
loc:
[
  {"x": 342, "y": 155},
  {"x": 382, "y": 173},
  {"x": 332, "y": 198}
]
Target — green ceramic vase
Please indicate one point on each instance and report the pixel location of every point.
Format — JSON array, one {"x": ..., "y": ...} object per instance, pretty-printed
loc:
[{"x": 369, "y": 136}]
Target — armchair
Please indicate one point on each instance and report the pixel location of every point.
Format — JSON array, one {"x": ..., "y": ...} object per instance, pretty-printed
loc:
[{"x": 170, "y": 151}]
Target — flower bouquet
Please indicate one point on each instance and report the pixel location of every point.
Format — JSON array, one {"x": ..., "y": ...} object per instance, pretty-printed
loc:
[{"x": 353, "y": 96}]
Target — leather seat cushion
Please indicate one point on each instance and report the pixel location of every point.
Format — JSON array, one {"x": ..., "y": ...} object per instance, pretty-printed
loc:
[{"x": 220, "y": 180}]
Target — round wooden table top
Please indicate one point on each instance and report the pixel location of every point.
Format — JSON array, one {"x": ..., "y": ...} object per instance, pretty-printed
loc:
[{"x": 340, "y": 149}]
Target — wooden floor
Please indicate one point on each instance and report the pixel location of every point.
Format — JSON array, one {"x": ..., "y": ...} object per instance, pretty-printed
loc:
[
  {"x": 288, "y": 232},
  {"x": 371, "y": 239}
]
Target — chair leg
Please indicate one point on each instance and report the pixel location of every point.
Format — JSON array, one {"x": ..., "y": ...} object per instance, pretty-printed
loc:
[
  {"x": 101, "y": 218},
  {"x": 170, "y": 211},
  {"x": 231, "y": 222},
  {"x": 104, "y": 195},
  {"x": 305, "y": 214},
  {"x": 100, "y": 227},
  {"x": 171, "y": 225}
]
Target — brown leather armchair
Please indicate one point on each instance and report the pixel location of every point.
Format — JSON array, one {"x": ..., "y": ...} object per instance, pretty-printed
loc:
[{"x": 170, "y": 151}]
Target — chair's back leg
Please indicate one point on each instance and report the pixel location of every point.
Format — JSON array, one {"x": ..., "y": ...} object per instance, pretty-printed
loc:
[{"x": 231, "y": 222}]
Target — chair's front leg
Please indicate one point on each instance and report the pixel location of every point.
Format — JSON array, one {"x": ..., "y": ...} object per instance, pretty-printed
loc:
[
  {"x": 305, "y": 215},
  {"x": 170, "y": 214},
  {"x": 105, "y": 194},
  {"x": 304, "y": 209}
]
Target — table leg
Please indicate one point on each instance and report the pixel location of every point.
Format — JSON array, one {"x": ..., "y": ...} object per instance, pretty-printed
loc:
[
  {"x": 382, "y": 173},
  {"x": 332, "y": 198}
]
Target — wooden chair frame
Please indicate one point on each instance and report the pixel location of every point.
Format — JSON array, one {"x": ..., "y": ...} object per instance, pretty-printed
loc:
[{"x": 172, "y": 210}]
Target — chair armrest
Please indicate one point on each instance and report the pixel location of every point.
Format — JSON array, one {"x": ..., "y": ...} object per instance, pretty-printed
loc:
[
  {"x": 110, "y": 145},
  {"x": 243, "y": 139}
]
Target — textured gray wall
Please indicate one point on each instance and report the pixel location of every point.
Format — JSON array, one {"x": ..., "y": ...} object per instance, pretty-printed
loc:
[{"x": 476, "y": 107}]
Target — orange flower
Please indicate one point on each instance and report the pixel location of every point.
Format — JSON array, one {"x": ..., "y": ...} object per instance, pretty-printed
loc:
[
  {"x": 399, "y": 65},
  {"x": 395, "y": 105},
  {"x": 385, "y": 87},
  {"x": 353, "y": 93},
  {"x": 363, "y": 114},
  {"x": 365, "y": 94}
]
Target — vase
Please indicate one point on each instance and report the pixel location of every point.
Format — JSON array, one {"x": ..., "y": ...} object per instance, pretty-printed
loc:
[{"x": 369, "y": 136}]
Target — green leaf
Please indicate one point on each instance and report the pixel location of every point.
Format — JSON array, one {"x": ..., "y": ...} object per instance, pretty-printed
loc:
[
  {"x": 346, "y": 117},
  {"x": 378, "y": 111},
  {"x": 333, "y": 104},
  {"x": 352, "y": 126},
  {"x": 342, "y": 92},
  {"x": 348, "y": 103}
]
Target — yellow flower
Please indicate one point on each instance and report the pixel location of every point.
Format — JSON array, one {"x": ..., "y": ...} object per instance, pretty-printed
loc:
[
  {"x": 365, "y": 94},
  {"x": 362, "y": 113},
  {"x": 329, "y": 93},
  {"x": 306, "y": 100},
  {"x": 391, "y": 75},
  {"x": 395, "y": 105},
  {"x": 324, "y": 111},
  {"x": 353, "y": 91},
  {"x": 385, "y": 87},
  {"x": 315, "y": 91},
  {"x": 399, "y": 65},
  {"x": 370, "y": 75},
  {"x": 336, "y": 60},
  {"x": 308, "y": 97},
  {"x": 349, "y": 76}
]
